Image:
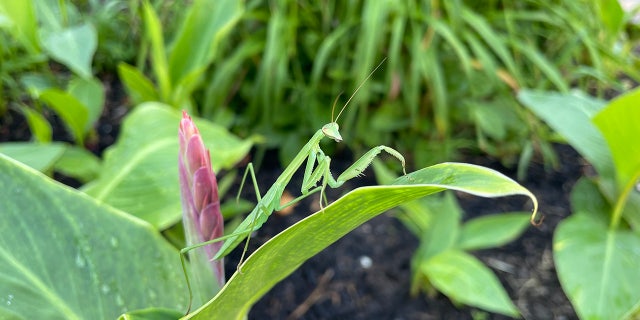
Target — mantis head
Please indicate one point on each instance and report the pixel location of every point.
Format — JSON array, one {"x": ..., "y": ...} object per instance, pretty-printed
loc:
[{"x": 332, "y": 131}]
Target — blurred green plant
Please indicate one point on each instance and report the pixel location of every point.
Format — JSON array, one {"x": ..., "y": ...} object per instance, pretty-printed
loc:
[
  {"x": 179, "y": 66},
  {"x": 442, "y": 262},
  {"x": 596, "y": 249},
  {"x": 452, "y": 69},
  {"x": 35, "y": 33}
]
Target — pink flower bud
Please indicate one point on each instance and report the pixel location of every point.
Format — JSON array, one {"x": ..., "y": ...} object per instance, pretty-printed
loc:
[{"x": 202, "y": 218}]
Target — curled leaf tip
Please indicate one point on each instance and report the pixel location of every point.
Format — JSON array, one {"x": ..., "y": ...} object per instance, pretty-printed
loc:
[{"x": 535, "y": 220}]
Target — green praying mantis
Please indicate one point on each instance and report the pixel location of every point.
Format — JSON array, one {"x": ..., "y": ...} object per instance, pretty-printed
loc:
[{"x": 317, "y": 170}]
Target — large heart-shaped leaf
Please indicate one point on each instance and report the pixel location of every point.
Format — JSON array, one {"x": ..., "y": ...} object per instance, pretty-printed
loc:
[
  {"x": 598, "y": 267},
  {"x": 64, "y": 256},
  {"x": 140, "y": 172},
  {"x": 284, "y": 253}
]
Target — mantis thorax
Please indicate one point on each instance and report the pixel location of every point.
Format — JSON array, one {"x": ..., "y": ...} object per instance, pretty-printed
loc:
[{"x": 332, "y": 131}]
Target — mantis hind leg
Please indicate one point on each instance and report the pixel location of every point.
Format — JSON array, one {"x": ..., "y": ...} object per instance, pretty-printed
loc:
[{"x": 249, "y": 170}]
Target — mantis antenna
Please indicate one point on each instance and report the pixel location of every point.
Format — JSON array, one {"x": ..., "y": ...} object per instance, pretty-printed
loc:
[
  {"x": 357, "y": 89},
  {"x": 333, "y": 108}
]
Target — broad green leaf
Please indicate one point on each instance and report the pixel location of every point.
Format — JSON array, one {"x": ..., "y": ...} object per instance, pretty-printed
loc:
[
  {"x": 570, "y": 116},
  {"x": 469, "y": 178},
  {"x": 619, "y": 122},
  {"x": 598, "y": 267},
  {"x": 38, "y": 156},
  {"x": 74, "y": 114},
  {"x": 140, "y": 172},
  {"x": 65, "y": 256},
  {"x": 284, "y": 253},
  {"x": 74, "y": 47},
  {"x": 90, "y": 93},
  {"x": 205, "y": 24},
  {"x": 492, "y": 231},
  {"x": 464, "y": 279},
  {"x": 139, "y": 87},
  {"x": 78, "y": 163}
]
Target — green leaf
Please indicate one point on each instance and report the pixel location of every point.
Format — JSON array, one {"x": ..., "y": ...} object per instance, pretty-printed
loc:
[
  {"x": 65, "y": 256},
  {"x": 284, "y": 253},
  {"x": 465, "y": 279},
  {"x": 598, "y": 267},
  {"x": 90, "y": 93},
  {"x": 78, "y": 163},
  {"x": 205, "y": 24},
  {"x": 74, "y": 114},
  {"x": 139, "y": 87},
  {"x": 38, "y": 124},
  {"x": 22, "y": 22},
  {"x": 36, "y": 83},
  {"x": 556, "y": 109},
  {"x": 140, "y": 172},
  {"x": 444, "y": 224},
  {"x": 74, "y": 47},
  {"x": 612, "y": 16},
  {"x": 586, "y": 197},
  {"x": 38, "y": 156},
  {"x": 619, "y": 122},
  {"x": 152, "y": 314},
  {"x": 153, "y": 32},
  {"x": 492, "y": 231}
]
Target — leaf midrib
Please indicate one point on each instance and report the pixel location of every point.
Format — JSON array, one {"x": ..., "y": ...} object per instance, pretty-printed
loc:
[{"x": 128, "y": 167}]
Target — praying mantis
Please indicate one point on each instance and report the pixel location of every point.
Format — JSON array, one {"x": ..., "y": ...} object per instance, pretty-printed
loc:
[
  {"x": 314, "y": 156},
  {"x": 317, "y": 170}
]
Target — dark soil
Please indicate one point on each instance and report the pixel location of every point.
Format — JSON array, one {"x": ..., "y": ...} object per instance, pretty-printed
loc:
[{"x": 338, "y": 283}]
